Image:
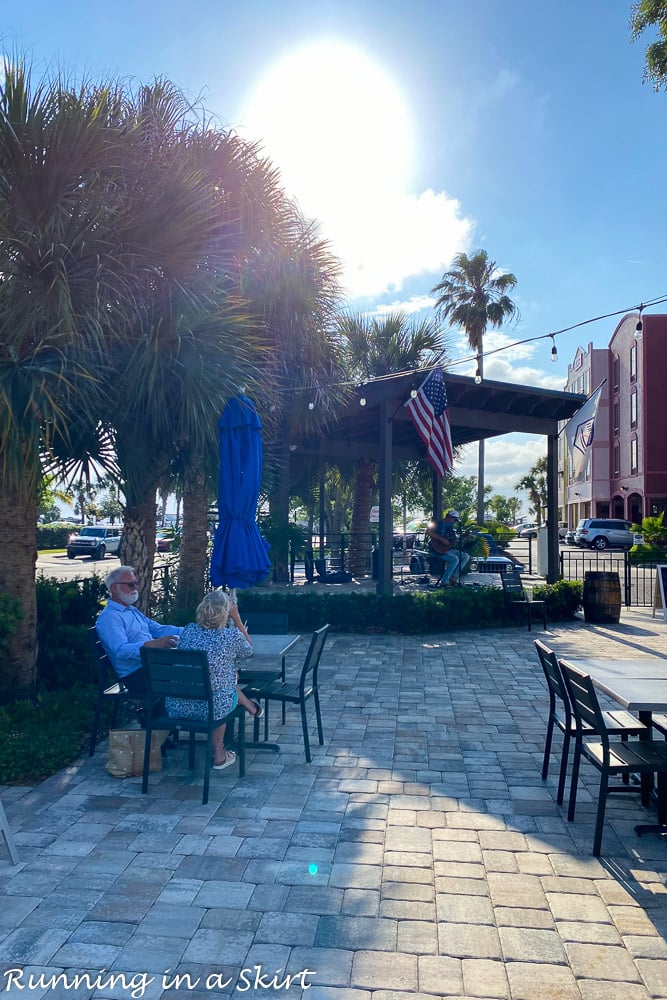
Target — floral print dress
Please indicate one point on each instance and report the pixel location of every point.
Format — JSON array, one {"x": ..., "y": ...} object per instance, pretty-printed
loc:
[{"x": 224, "y": 646}]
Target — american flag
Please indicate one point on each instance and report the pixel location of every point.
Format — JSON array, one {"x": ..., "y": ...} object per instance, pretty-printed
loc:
[{"x": 428, "y": 412}]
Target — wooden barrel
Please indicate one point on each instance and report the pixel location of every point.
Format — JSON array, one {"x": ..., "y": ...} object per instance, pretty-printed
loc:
[{"x": 602, "y": 598}]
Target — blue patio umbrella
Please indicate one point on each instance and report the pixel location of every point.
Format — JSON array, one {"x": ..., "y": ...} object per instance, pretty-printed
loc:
[{"x": 240, "y": 554}]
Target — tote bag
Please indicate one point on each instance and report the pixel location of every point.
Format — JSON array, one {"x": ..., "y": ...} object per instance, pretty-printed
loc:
[{"x": 126, "y": 751}]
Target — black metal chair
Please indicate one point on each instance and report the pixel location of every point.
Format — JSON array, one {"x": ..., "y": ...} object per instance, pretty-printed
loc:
[
  {"x": 184, "y": 673},
  {"x": 115, "y": 690},
  {"x": 515, "y": 598},
  {"x": 265, "y": 623},
  {"x": 633, "y": 757},
  {"x": 299, "y": 694},
  {"x": 617, "y": 723}
]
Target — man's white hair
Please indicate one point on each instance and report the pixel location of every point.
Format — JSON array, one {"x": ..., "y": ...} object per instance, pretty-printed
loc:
[{"x": 115, "y": 575}]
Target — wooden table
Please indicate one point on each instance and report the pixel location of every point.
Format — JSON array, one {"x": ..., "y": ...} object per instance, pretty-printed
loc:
[
  {"x": 268, "y": 650},
  {"x": 639, "y": 684}
]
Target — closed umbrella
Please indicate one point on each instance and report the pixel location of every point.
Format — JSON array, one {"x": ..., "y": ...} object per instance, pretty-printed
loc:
[{"x": 240, "y": 554}]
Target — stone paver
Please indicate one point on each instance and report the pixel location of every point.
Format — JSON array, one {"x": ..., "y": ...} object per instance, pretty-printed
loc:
[{"x": 419, "y": 855}]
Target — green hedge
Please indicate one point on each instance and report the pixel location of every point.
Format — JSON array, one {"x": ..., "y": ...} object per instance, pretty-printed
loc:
[
  {"x": 64, "y": 611},
  {"x": 415, "y": 613},
  {"x": 54, "y": 536}
]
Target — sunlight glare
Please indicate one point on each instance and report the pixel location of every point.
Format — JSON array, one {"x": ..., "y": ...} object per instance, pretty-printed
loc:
[
  {"x": 334, "y": 122},
  {"x": 339, "y": 129}
]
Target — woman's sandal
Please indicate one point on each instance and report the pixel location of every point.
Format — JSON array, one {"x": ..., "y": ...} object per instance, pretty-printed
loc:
[{"x": 230, "y": 758}]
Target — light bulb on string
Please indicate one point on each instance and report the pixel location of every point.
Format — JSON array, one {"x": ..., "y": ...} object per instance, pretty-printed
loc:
[
  {"x": 478, "y": 377},
  {"x": 413, "y": 393},
  {"x": 640, "y": 325},
  {"x": 554, "y": 350},
  {"x": 311, "y": 406},
  {"x": 362, "y": 401}
]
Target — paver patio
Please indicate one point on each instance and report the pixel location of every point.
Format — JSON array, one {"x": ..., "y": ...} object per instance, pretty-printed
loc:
[{"x": 419, "y": 855}]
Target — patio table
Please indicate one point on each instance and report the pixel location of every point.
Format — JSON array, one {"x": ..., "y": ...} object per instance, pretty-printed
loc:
[
  {"x": 639, "y": 684},
  {"x": 268, "y": 650}
]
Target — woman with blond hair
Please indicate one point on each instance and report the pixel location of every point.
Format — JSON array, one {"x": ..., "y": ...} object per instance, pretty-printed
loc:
[{"x": 219, "y": 631}]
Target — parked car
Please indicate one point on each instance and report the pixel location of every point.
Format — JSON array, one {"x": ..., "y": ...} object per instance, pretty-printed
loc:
[
  {"x": 604, "y": 532},
  {"x": 494, "y": 564},
  {"x": 569, "y": 537},
  {"x": 94, "y": 542},
  {"x": 528, "y": 530},
  {"x": 404, "y": 541},
  {"x": 164, "y": 540}
]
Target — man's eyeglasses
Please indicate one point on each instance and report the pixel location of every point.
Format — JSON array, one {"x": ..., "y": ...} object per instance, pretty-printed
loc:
[{"x": 124, "y": 583}]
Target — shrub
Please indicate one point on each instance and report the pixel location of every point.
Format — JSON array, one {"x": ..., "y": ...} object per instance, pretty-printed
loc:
[
  {"x": 646, "y": 553},
  {"x": 41, "y": 737},
  {"x": 54, "y": 536},
  {"x": 415, "y": 613},
  {"x": 64, "y": 612},
  {"x": 10, "y": 613},
  {"x": 563, "y": 598}
]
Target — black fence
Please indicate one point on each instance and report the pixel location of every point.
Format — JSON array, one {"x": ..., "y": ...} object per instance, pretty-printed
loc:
[{"x": 637, "y": 580}]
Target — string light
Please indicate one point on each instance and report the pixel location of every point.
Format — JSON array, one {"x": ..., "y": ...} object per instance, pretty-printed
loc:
[{"x": 658, "y": 300}]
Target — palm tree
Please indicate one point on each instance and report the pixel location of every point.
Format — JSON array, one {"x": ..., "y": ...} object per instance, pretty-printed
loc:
[
  {"x": 534, "y": 483},
  {"x": 59, "y": 271},
  {"x": 293, "y": 286},
  {"x": 373, "y": 347},
  {"x": 473, "y": 296}
]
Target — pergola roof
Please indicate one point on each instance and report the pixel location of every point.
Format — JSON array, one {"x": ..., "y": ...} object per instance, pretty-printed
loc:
[{"x": 475, "y": 411}]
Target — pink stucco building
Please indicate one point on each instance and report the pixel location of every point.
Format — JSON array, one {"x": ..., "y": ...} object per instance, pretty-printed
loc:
[{"x": 626, "y": 475}]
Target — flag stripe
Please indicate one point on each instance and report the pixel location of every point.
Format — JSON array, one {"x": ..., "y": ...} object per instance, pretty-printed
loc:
[{"x": 428, "y": 412}]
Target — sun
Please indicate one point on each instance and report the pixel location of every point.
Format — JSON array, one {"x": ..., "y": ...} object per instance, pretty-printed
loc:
[{"x": 338, "y": 127}]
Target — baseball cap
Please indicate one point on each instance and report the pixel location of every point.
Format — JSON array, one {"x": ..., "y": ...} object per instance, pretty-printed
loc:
[{"x": 453, "y": 513}]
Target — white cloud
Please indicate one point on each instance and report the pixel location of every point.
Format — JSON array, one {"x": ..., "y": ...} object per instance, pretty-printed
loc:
[
  {"x": 506, "y": 460},
  {"x": 415, "y": 304},
  {"x": 385, "y": 237}
]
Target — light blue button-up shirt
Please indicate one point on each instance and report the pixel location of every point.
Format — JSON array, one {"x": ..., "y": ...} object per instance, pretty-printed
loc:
[{"x": 124, "y": 630}]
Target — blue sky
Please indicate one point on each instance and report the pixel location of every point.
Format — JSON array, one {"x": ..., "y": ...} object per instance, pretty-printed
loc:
[{"x": 417, "y": 128}]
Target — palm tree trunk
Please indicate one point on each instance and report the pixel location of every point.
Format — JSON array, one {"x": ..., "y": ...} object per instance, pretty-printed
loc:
[
  {"x": 279, "y": 505},
  {"x": 193, "y": 564},
  {"x": 480, "y": 483},
  {"x": 18, "y": 520},
  {"x": 138, "y": 544},
  {"x": 480, "y": 458},
  {"x": 360, "y": 535}
]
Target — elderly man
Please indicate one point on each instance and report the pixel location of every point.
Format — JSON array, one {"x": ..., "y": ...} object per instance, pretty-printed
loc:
[
  {"x": 443, "y": 543},
  {"x": 123, "y": 629}
]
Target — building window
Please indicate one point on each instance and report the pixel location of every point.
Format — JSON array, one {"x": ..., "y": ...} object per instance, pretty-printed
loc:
[
  {"x": 617, "y": 460},
  {"x": 633, "y": 409},
  {"x": 633, "y": 457},
  {"x": 633, "y": 363},
  {"x": 616, "y": 367},
  {"x": 617, "y": 418}
]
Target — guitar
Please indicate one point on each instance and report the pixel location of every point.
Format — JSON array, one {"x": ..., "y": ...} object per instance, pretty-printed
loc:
[{"x": 439, "y": 544}]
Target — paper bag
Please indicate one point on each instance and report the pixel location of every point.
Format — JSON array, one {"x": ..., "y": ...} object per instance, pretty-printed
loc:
[{"x": 126, "y": 751}]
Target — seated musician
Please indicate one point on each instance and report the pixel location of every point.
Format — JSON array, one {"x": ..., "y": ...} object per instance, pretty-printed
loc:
[{"x": 443, "y": 544}]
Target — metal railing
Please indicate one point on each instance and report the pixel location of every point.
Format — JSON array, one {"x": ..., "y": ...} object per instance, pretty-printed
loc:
[{"x": 637, "y": 579}]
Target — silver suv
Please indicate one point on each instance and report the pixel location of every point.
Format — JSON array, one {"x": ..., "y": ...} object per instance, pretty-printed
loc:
[
  {"x": 603, "y": 532},
  {"x": 94, "y": 542}
]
